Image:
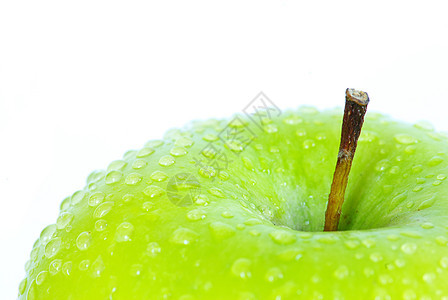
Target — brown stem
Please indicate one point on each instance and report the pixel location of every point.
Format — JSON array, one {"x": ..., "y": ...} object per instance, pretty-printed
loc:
[{"x": 355, "y": 109}]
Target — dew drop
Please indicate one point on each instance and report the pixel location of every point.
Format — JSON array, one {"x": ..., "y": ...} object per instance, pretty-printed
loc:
[
  {"x": 116, "y": 165},
  {"x": 429, "y": 278},
  {"x": 100, "y": 225},
  {"x": 405, "y": 139},
  {"x": 41, "y": 277},
  {"x": 96, "y": 198},
  {"x": 341, "y": 272},
  {"x": 227, "y": 214},
  {"x": 154, "y": 143},
  {"x": 196, "y": 215},
  {"x": 408, "y": 248},
  {"x": 139, "y": 164},
  {"x": 178, "y": 151},
  {"x": 234, "y": 145},
  {"x": 270, "y": 128},
  {"x": 241, "y": 268},
  {"x": 184, "y": 142},
  {"x": 97, "y": 267},
  {"x": 427, "y": 225},
  {"x": 441, "y": 177},
  {"x": 22, "y": 286},
  {"x": 376, "y": 257},
  {"x": 147, "y": 206},
  {"x": 52, "y": 247},
  {"x": 424, "y": 125},
  {"x": 352, "y": 244},
  {"x": 84, "y": 265},
  {"x": 95, "y": 176},
  {"x": 133, "y": 179},
  {"x": 248, "y": 163},
  {"x": 153, "y": 191},
  {"x": 84, "y": 240},
  {"x": 55, "y": 266},
  {"x": 65, "y": 204},
  {"x": 153, "y": 249},
  {"x": 216, "y": 192},
  {"x": 47, "y": 233},
  {"x": 184, "y": 236},
  {"x": 441, "y": 240},
  {"x": 103, "y": 209},
  {"x": 124, "y": 232},
  {"x": 77, "y": 197},
  {"x": 146, "y": 151},
  {"x": 444, "y": 262},
  {"x": 207, "y": 172},
  {"x": 223, "y": 175},
  {"x": 252, "y": 221},
  {"x": 113, "y": 177},
  {"x": 307, "y": 144},
  {"x": 221, "y": 230},
  {"x": 434, "y": 161},
  {"x": 427, "y": 203},
  {"x": 273, "y": 274},
  {"x": 282, "y": 237},
  {"x": 210, "y": 137},
  {"x": 67, "y": 268},
  {"x": 201, "y": 200},
  {"x": 166, "y": 161}
]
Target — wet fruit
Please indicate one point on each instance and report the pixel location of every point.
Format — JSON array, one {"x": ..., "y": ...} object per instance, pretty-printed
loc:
[{"x": 234, "y": 209}]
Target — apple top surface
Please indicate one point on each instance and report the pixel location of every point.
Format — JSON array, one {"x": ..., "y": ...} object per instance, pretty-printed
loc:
[{"x": 234, "y": 209}]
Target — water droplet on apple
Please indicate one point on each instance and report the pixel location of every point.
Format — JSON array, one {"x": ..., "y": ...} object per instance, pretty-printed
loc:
[
  {"x": 67, "y": 268},
  {"x": 376, "y": 257},
  {"x": 427, "y": 225},
  {"x": 113, "y": 177},
  {"x": 158, "y": 176},
  {"x": 96, "y": 176},
  {"x": 405, "y": 139},
  {"x": 221, "y": 230},
  {"x": 97, "y": 267},
  {"x": 196, "y": 215},
  {"x": 166, "y": 161},
  {"x": 124, "y": 232},
  {"x": 282, "y": 237},
  {"x": 133, "y": 179},
  {"x": 22, "y": 286},
  {"x": 424, "y": 125},
  {"x": 84, "y": 265},
  {"x": 207, "y": 172},
  {"x": 41, "y": 277},
  {"x": 153, "y": 191},
  {"x": 153, "y": 249},
  {"x": 55, "y": 266},
  {"x": 139, "y": 164},
  {"x": 184, "y": 236},
  {"x": 100, "y": 225},
  {"x": 146, "y": 151},
  {"x": 77, "y": 197},
  {"x": 341, "y": 272},
  {"x": 273, "y": 274},
  {"x": 103, "y": 209},
  {"x": 84, "y": 240},
  {"x": 227, "y": 214},
  {"x": 444, "y": 262},
  {"x": 216, "y": 192},
  {"x": 52, "y": 247},
  {"x": 241, "y": 268},
  {"x": 434, "y": 161},
  {"x": 96, "y": 198},
  {"x": 116, "y": 165},
  {"x": 307, "y": 144},
  {"x": 210, "y": 137},
  {"x": 47, "y": 233},
  {"x": 184, "y": 142},
  {"x": 409, "y": 248}
]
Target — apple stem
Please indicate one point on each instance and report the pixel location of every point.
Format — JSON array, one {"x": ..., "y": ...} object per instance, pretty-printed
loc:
[{"x": 355, "y": 108}]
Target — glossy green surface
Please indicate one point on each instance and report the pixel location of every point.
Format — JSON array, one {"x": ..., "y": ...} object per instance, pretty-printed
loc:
[{"x": 157, "y": 225}]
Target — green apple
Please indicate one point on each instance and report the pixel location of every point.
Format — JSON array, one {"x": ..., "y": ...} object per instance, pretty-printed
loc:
[{"x": 235, "y": 209}]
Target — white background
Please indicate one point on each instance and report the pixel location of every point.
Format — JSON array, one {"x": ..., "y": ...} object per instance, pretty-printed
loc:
[{"x": 81, "y": 82}]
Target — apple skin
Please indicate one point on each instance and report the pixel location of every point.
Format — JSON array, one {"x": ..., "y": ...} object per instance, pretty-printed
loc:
[{"x": 253, "y": 230}]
